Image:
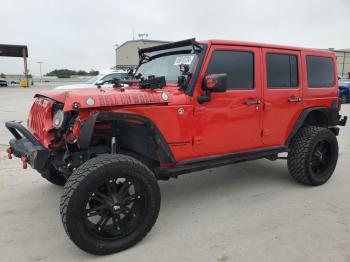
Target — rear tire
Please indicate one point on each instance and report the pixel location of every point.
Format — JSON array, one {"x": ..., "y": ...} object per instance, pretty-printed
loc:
[
  {"x": 313, "y": 155},
  {"x": 109, "y": 204}
]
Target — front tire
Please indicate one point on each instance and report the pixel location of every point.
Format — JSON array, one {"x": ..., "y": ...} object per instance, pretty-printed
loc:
[
  {"x": 313, "y": 155},
  {"x": 109, "y": 204}
]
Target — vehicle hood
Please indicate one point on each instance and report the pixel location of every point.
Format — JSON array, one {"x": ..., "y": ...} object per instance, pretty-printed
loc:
[
  {"x": 75, "y": 86},
  {"x": 112, "y": 97}
]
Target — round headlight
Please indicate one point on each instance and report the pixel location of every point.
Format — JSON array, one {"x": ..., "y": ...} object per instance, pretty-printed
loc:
[{"x": 58, "y": 119}]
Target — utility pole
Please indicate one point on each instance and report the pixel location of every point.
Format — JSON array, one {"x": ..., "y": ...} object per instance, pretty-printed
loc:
[
  {"x": 342, "y": 70},
  {"x": 41, "y": 75}
]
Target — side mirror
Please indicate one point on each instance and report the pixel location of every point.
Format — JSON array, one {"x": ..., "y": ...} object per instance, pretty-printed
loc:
[{"x": 215, "y": 83}]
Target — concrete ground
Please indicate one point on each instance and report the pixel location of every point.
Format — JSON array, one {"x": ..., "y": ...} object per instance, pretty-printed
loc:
[{"x": 251, "y": 211}]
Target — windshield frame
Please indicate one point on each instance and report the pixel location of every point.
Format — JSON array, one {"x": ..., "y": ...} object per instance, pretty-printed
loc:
[
  {"x": 197, "y": 68},
  {"x": 167, "y": 54}
]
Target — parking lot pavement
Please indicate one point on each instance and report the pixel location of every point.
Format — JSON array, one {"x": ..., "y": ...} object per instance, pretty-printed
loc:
[{"x": 250, "y": 211}]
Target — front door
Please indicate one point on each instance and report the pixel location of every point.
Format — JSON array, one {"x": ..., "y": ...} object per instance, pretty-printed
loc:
[
  {"x": 230, "y": 121},
  {"x": 282, "y": 94}
]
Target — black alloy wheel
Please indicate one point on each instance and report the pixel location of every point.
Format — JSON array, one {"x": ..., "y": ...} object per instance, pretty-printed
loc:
[
  {"x": 313, "y": 155},
  {"x": 321, "y": 157},
  {"x": 115, "y": 208},
  {"x": 109, "y": 203}
]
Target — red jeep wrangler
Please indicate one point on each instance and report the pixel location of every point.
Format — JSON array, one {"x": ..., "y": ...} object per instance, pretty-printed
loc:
[{"x": 189, "y": 106}]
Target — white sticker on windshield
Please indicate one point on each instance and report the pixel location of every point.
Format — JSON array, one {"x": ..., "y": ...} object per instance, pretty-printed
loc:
[{"x": 184, "y": 59}]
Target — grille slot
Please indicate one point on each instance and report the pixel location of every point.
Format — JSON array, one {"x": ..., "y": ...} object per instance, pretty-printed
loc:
[{"x": 40, "y": 108}]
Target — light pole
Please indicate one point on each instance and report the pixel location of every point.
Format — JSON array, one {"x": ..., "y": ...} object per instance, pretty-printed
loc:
[{"x": 41, "y": 75}]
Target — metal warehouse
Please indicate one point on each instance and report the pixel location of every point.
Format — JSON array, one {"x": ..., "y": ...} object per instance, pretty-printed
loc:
[
  {"x": 343, "y": 62},
  {"x": 127, "y": 53}
]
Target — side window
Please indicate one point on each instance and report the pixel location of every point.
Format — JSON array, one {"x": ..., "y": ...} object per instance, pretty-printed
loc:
[
  {"x": 238, "y": 65},
  {"x": 282, "y": 70},
  {"x": 320, "y": 71}
]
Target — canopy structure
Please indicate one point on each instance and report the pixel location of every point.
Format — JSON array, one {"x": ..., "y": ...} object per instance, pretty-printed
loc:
[{"x": 16, "y": 51}]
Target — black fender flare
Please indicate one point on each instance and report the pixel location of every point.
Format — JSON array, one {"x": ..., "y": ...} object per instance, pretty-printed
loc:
[
  {"x": 332, "y": 115},
  {"x": 87, "y": 130}
]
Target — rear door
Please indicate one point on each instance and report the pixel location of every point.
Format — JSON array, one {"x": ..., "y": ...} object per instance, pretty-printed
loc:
[{"x": 281, "y": 94}]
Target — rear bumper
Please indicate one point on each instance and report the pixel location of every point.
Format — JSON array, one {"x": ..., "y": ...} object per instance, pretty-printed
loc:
[{"x": 24, "y": 144}]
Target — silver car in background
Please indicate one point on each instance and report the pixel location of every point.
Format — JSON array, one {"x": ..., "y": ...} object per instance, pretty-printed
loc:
[{"x": 92, "y": 82}]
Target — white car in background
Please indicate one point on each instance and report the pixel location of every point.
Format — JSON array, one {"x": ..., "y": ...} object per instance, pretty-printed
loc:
[
  {"x": 92, "y": 82},
  {"x": 3, "y": 82}
]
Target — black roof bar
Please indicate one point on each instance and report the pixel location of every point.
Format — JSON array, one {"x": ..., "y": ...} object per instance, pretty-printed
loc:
[{"x": 187, "y": 42}]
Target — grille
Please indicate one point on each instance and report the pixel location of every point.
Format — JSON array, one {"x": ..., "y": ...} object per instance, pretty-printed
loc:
[{"x": 41, "y": 109}]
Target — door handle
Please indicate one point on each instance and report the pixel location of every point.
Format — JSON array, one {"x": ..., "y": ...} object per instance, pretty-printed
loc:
[
  {"x": 294, "y": 99},
  {"x": 252, "y": 102}
]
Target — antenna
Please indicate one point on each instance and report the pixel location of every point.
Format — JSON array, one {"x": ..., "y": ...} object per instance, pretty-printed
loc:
[{"x": 133, "y": 32}]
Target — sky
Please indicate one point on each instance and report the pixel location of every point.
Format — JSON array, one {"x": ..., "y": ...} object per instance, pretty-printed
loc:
[{"x": 82, "y": 34}]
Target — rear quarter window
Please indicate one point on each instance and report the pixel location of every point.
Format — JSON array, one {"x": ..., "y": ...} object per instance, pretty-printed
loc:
[{"x": 320, "y": 71}]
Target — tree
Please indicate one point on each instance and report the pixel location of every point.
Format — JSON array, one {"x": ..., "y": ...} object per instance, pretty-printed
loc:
[
  {"x": 66, "y": 73},
  {"x": 61, "y": 73},
  {"x": 2, "y": 75},
  {"x": 93, "y": 72}
]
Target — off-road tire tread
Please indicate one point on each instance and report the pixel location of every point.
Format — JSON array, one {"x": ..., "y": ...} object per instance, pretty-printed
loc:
[
  {"x": 81, "y": 174},
  {"x": 299, "y": 150}
]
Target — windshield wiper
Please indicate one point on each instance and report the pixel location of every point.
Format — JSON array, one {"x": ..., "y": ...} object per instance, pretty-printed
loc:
[{"x": 153, "y": 82}]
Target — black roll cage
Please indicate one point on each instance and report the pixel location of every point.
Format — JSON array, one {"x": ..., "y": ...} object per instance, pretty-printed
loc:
[
  {"x": 197, "y": 48},
  {"x": 188, "y": 42}
]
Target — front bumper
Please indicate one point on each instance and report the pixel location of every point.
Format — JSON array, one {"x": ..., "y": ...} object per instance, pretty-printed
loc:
[{"x": 26, "y": 146}]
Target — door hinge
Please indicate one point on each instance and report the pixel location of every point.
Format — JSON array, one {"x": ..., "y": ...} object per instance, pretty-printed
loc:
[
  {"x": 265, "y": 132},
  {"x": 198, "y": 140},
  {"x": 267, "y": 106}
]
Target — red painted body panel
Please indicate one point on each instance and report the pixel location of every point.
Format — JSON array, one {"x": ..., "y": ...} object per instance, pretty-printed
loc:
[
  {"x": 279, "y": 114},
  {"x": 225, "y": 124},
  {"x": 40, "y": 121}
]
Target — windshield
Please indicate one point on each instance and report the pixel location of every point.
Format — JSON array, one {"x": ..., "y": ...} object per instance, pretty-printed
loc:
[
  {"x": 168, "y": 66},
  {"x": 92, "y": 80}
]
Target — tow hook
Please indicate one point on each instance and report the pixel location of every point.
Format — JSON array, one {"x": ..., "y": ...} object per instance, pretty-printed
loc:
[
  {"x": 24, "y": 162},
  {"x": 9, "y": 152}
]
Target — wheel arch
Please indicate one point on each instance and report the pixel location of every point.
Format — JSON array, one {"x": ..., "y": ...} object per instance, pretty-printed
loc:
[
  {"x": 316, "y": 116},
  {"x": 127, "y": 122}
]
